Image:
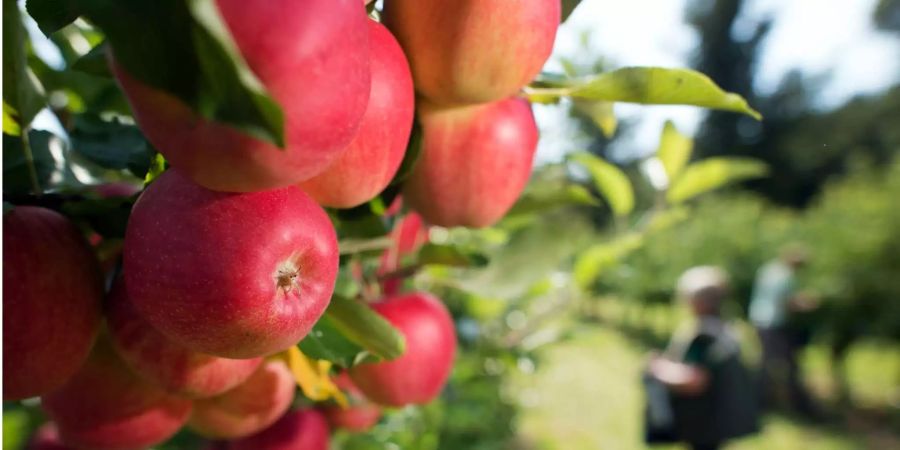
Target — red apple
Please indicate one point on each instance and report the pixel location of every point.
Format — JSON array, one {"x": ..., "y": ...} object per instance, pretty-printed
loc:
[
  {"x": 52, "y": 294},
  {"x": 418, "y": 376},
  {"x": 297, "y": 430},
  {"x": 47, "y": 438},
  {"x": 374, "y": 156},
  {"x": 231, "y": 275},
  {"x": 360, "y": 416},
  {"x": 165, "y": 363},
  {"x": 408, "y": 235},
  {"x": 473, "y": 51},
  {"x": 475, "y": 162},
  {"x": 312, "y": 57},
  {"x": 106, "y": 406},
  {"x": 248, "y": 408}
]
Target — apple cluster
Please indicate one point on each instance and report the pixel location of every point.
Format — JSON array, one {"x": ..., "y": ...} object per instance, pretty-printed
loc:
[{"x": 229, "y": 257}]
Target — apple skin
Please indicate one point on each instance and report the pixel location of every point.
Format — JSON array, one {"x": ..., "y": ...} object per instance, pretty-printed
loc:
[
  {"x": 473, "y": 51},
  {"x": 360, "y": 416},
  {"x": 47, "y": 438},
  {"x": 231, "y": 275},
  {"x": 417, "y": 376},
  {"x": 372, "y": 159},
  {"x": 313, "y": 58},
  {"x": 106, "y": 406},
  {"x": 304, "y": 429},
  {"x": 52, "y": 297},
  {"x": 408, "y": 235},
  {"x": 163, "y": 362},
  {"x": 474, "y": 164},
  {"x": 248, "y": 408}
]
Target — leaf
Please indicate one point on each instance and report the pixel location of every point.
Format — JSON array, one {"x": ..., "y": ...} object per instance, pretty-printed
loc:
[
  {"x": 312, "y": 376},
  {"x": 411, "y": 156},
  {"x": 111, "y": 144},
  {"x": 94, "y": 62},
  {"x": 645, "y": 85},
  {"x": 595, "y": 260},
  {"x": 610, "y": 181},
  {"x": 674, "y": 150},
  {"x": 713, "y": 173},
  {"x": 194, "y": 59},
  {"x": 21, "y": 89},
  {"x": 326, "y": 342},
  {"x": 543, "y": 199},
  {"x": 366, "y": 328},
  {"x": 106, "y": 216},
  {"x": 157, "y": 167},
  {"x": 10, "y": 124},
  {"x": 449, "y": 255},
  {"x": 568, "y": 6},
  {"x": 601, "y": 113},
  {"x": 16, "y": 178},
  {"x": 52, "y": 15}
]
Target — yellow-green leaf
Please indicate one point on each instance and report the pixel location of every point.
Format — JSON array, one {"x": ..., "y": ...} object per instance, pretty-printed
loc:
[
  {"x": 601, "y": 113},
  {"x": 610, "y": 181},
  {"x": 592, "y": 262},
  {"x": 674, "y": 151},
  {"x": 713, "y": 173},
  {"x": 10, "y": 124},
  {"x": 312, "y": 376},
  {"x": 651, "y": 85}
]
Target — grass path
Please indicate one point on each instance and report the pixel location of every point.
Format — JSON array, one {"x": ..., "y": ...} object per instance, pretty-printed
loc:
[{"x": 586, "y": 394}]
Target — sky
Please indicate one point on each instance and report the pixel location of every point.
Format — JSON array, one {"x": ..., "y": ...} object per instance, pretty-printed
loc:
[{"x": 815, "y": 36}]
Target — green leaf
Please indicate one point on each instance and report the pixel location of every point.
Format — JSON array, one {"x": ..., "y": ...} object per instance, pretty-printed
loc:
[
  {"x": 194, "y": 59},
  {"x": 157, "y": 167},
  {"x": 449, "y": 255},
  {"x": 568, "y": 6},
  {"x": 106, "y": 216},
  {"x": 21, "y": 89},
  {"x": 111, "y": 144},
  {"x": 16, "y": 425},
  {"x": 601, "y": 113},
  {"x": 94, "y": 62},
  {"x": 543, "y": 199},
  {"x": 16, "y": 178},
  {"x": 10, "y": 123},
  {"x": 366, "y": 328},
  {"x": 411, "y": 157},
  {"x": 645, "y": 85},
  {"x": 713, "y": 173},
  {"x": 326, "y": 341},
  {"x": 674, "y": 150},
  {"x": 595, "y": 260},
  {"x": 52, "y": 15},
  {"x": 610, "y": 181}
]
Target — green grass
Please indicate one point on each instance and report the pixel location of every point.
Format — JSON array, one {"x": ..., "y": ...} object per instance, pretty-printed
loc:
[{"x": 586, "y": 394}]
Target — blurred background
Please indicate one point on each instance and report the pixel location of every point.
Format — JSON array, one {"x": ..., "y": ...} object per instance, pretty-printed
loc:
[{"x": 555, "y": 330}]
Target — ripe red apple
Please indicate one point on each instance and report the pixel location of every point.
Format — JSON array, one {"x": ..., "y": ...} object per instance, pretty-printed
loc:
[
  {"x": 473, "y": 51},
  {"x": 106, "y": 406},
  {"x": 312, "y": 57},
  {"x": 475, "y": 162},
  {"x": 47, "y": 438},
  {"x": 418, "y": 376},
  {"x": 408, "y": 235},
  {"x": 231, "y": 275},
  {"x": 360, "y": 416},
  {"x": 372, "y": 159},
  {"x": 52, "y": 294},
  {"x": 165, "y": 363},
  {"x": 250, "y": 407},
  {"x": 304, "y": 429}
]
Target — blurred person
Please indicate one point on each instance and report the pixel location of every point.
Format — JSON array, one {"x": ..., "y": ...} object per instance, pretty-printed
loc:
[
  {"x": 709, "y": 389},
  {"x": 775, "y": 303}
]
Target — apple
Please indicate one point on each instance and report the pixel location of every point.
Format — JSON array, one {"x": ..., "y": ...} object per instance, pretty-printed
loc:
[
  {"x": 312, "y": 58},
  {"x": 230, "y": 275},
  {"x": 474, "y": 164},
  {"x": 304, "y": 429},
  {"x": 47, "y": 438},
  {"x": 106, "y": 406},
  {"x": 52, "y": 297},
  {"x": 473, "y": 51},
  {"x": 360, "y": 416},
  {"x": 116, "y": 189},
  {"x": 408, "y": 235},
  {"x": 250, "y": 407},
  {"x": 165, "y": 363},
  {"x": 372, "y": 159},
  {"x": 417, "y": 376}
]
